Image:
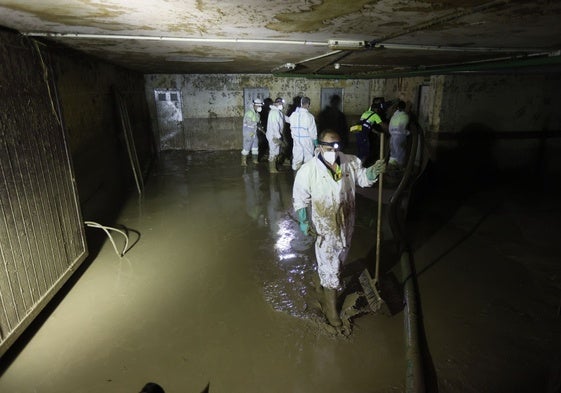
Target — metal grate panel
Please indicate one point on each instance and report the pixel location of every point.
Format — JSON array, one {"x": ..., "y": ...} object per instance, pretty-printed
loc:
[{"x": 42, "y": 236}]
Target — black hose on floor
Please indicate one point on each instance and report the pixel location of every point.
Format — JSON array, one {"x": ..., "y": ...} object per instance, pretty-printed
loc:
[{"x": 399, "y": 202}]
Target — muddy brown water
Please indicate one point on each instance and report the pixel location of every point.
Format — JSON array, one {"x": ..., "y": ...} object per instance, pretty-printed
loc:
[{"x": 219, "y": 290}]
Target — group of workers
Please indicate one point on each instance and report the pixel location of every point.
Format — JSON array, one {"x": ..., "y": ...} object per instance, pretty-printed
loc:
[
  {"x": 326, "y": 178},
  {"x": 300, "y": 139},
  {"x": 374, "y": 122}
]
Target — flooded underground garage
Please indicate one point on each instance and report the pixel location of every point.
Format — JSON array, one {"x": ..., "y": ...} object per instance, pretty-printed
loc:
[{"x": 135, "y": 248}]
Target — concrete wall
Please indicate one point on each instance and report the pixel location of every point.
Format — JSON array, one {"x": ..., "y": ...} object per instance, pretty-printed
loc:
[
  {"x": 101, "y": 162},
  {"x": 213, "y": 105},
  {"x": 508, "y": 122},
  {"x": 85, "y": 92},
  {"x": 500, "y": 102},
  {"x": 489, "y": 108}
]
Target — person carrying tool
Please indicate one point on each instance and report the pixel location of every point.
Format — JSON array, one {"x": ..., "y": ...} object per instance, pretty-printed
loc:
[
  {"x": 326, "y": 184},
  {"x": 373, "y": 120},
  {"x": 251, "y": 122},
  {"x": 275, "y": 126},
  {"x": 304, "y": 134}
]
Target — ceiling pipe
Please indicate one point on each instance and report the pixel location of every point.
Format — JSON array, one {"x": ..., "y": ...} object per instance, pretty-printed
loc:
[
  {"x": 174, "y": 39},
  {"x": 443, "y": 19},
  {"x": 454, "y": 48},
  {"x": 379, "y": 44},
  {"x": 553, "y": 58}
]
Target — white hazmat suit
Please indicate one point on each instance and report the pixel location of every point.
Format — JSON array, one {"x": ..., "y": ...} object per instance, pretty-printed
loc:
[
  {"x": 251, "y": 121},
  {"x": 275, "y": 125},
  {"x": 398, "y": 140},
  {"x": 332, "y": 205},
  {"x": 304, "y": 133}
]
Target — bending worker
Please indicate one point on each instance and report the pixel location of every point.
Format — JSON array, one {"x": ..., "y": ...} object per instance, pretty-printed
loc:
[
  {"x": 275, "y": 126},
  {"x": 398, "y": 136},
  {"x": 327, "y": 184},
  {"x": 251, "y": 122},
  {"x": 304, "y": 134}
]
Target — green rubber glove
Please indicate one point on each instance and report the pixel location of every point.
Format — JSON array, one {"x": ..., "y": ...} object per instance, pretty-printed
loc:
[
  {"x": 316, "y": 143},
  {"x": 303, "y": 220},
  {"x": 373, "y": 171}
]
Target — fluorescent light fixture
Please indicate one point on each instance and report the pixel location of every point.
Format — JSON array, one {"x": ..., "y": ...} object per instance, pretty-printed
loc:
[
  {"x": 346, "y": 44},
  {"x": 176, "y": 39}
]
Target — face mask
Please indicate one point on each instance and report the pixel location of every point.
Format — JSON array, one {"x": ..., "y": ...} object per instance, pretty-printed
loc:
[
  {"x": 329, "y": 156},
  {"x": 280, "y": 107},
  {"x": 259, "y": 109}
]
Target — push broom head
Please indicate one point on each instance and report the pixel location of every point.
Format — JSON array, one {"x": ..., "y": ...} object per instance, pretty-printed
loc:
[{"x": 370, "y": 291}]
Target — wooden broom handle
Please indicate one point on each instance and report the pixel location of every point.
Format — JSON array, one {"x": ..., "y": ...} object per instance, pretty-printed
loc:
[{"x": 379, "y": 220}]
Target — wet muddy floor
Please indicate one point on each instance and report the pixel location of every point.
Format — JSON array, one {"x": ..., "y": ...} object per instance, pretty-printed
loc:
[{"x": 219, "y": 290}]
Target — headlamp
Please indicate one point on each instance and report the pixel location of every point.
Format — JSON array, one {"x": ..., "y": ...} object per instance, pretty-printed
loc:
[{"x": 334, "y": 145}]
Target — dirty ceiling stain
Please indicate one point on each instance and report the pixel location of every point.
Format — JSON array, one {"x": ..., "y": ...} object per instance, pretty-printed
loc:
[
  {"x": 187, "y": 28},
  {"x": 316, "y": 17},
  {"x": 81, "y": 15},
  {"x": 200, "y": 6},
  {"x": 500, "y": 24}
]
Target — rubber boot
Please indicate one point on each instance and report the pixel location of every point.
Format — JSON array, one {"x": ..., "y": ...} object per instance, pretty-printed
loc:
[
  {"x": 330, "y": 307},
  {"x": 273, "y": 166},
  {"x": 255, "y": 160},
  {"x": 244, "y": 160}
]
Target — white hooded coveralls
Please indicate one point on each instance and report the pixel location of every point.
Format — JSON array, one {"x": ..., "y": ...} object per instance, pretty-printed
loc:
[
  {"x": 332, "y": 210},
  {"x": 304, "y": 132},
  {"x": 275, "y": 125},
  {"x": 249, "y": 132},
  {"x": 398, "y": 132}
]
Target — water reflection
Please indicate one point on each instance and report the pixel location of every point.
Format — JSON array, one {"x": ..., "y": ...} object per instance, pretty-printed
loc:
[{"x": 287, "y": 266}]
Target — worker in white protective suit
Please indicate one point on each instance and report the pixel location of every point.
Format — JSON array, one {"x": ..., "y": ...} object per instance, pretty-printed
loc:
[
  {"x": 275, "y": 126},
  {"x": 304, "y": 134},
  {"x": 251, "y": 125},
  {"x": 398, "y": 136},
  {"x": 326, "y": 185}
]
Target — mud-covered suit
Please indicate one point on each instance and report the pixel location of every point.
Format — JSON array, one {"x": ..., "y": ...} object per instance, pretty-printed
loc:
[
  {"x": 304, "y": 133},
  {"x": 251, "y": 120},
  {"x": 332, "y": 210},
  {"x": 275, "y": 125},
  {"x": 398, "y": 131}
]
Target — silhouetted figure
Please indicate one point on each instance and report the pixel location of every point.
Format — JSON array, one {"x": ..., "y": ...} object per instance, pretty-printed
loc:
[
  {"x": 262, "y": 139},
  {"x": 331, "y": 117},
  {"x": 285, "y": 155}
]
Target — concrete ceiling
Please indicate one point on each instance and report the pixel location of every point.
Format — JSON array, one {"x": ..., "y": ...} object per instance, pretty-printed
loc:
[{"x": 368, "y": 38}]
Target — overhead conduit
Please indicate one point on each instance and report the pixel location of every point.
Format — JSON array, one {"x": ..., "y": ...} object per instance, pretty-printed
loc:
[{"x": 530, "y": 57}]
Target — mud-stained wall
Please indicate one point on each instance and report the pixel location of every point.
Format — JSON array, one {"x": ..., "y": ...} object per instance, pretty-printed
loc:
[
  {"x": 63, "y": 160},
  {"x": 479, "y": 113},
  {"x": 87, "y": 90},
  {"x": 405, "y": 89},
  {"x": 42, "y": 237},
  {"x": 213, "y": 105},
  {"x": 507, "y": 122},
  {"x": 501, "y": 102}
]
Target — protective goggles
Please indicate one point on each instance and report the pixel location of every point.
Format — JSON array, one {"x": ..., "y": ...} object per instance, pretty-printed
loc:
[{"x": 334, "y": 145}]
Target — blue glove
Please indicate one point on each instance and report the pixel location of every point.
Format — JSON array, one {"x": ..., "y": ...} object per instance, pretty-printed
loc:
[
  {"x": 316, "y": 143},
  {"x": 303, "y": 220}
]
